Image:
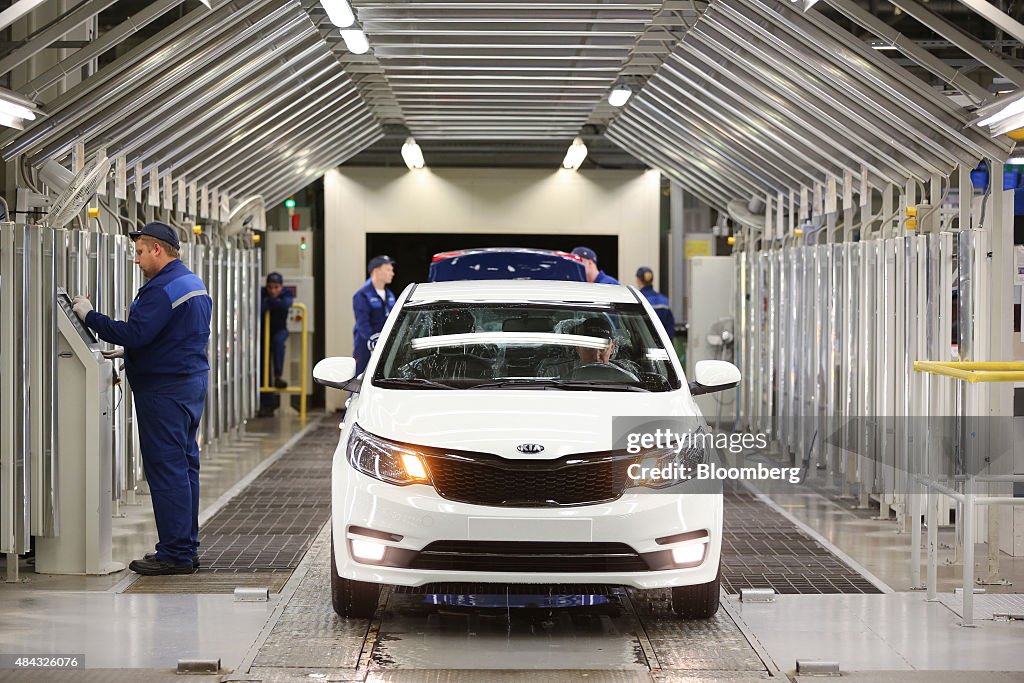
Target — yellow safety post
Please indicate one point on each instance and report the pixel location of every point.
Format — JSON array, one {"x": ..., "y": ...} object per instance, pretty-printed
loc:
[{"x": 301, "y": 390}]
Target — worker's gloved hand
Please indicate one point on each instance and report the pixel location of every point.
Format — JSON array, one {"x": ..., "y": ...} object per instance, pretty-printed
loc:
[
  {"x": 81, "y": 306},
  {"x": 114, "y": 353}
]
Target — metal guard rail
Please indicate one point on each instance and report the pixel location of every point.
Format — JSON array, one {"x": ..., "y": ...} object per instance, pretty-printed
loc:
[
  {"x": 304, "y": 383},
  {"x": 972, "y": 372}
]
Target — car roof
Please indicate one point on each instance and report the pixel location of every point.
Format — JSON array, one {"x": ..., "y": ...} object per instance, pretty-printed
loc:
[{"x": 553, "y": 291}]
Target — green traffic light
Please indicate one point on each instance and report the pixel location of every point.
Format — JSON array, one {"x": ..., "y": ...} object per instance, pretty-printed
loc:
[{"x": 289, "y": 203}]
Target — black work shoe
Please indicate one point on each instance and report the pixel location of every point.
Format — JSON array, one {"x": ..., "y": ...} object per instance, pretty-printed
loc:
[
  {"x": 152, "y": 556},
  {"x": 280, "y": 383},
  {"x": 157, "y": 567}
]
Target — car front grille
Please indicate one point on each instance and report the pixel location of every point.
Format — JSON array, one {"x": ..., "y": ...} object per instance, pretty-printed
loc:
[
  {"x": 528, "y": 556},
  {"x": 497, "y": 482}
]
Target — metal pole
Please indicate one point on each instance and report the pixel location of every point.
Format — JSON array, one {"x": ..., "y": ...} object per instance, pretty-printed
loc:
[
  {"x": 933, "y": 545},
  {"x": 968, "y": 595}
]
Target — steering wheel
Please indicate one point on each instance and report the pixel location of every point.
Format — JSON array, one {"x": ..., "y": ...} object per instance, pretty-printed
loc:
[{"x": 605, "y": 372}]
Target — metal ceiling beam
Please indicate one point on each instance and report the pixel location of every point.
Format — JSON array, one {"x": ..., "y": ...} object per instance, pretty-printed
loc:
[
  {"x": 845, "y": 115},
  {"x": 41, "y": 40},
  {"x": 911, "y": 49},
  {"x": 960, "y": 39},
  {"x": 106, "y": 41}
]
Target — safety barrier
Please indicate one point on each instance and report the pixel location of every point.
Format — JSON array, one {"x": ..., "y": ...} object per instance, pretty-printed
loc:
[
  {"x": 303, "y": 388},
  {"x": 966, "y": 499}
]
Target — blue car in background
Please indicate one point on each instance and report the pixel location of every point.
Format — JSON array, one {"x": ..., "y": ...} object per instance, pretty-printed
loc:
[{"x": 501, "y": 263}]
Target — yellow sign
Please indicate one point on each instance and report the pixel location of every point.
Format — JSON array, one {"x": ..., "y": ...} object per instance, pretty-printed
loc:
[{"x": 698, "y": 248}]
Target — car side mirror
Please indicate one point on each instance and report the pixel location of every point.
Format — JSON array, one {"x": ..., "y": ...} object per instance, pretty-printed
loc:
[
  {"x": 338, "y": 372},
  {"x": 714, "y": 375}
]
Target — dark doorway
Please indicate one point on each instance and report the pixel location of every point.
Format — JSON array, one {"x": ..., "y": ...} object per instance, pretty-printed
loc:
[{"x": 413, "y": 251}]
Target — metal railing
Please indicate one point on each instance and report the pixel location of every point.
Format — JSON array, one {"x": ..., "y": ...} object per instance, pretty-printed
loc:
[
  {"x": 303, "y": 387},
  {"x": 968, "y": 372}
]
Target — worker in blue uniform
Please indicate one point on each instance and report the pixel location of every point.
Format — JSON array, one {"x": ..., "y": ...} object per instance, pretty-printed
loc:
[
  {"x": 371, "y": 304},
  {"x": 594, "y": 273},
  {"x": 277, "y": 301},
  {"x": 164, "y": 345},
  {"x": 658, "y": 301}
]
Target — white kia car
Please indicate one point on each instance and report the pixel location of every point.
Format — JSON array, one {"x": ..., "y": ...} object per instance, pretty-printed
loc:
[{"x": 478, "y": 447}]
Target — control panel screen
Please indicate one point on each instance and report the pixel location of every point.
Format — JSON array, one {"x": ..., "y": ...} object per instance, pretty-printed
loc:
[{"x": 64, "y": 301}]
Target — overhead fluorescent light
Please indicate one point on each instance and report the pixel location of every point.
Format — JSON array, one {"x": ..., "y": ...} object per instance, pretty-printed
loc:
[
  {"x": 883, "y": 46},
  {"x": 15, "y": 110},
  {"x": 1016, "y": 160},
  {"x": 620, "y": 94},
  {"x": 804, "y": 5},
  {"x": 412, "y": 154},
  {"x": 339, "y": 12},
  {"x": 575, "y": 155},
  {"x": 207, "y": 3},
  {"x": 355, "y": 41},
  {"x": 1003, "y": 115}
]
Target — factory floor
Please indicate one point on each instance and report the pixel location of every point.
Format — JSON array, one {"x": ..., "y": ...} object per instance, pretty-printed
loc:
[{"x": 139, "y": 630}]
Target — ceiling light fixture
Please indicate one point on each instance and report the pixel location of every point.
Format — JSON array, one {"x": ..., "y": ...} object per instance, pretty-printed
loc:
[
  {"x": 884, "y": 46},
  {"x": 15, "y": 110},
  {"x": 804, "y": 5},
  {"x": 412, "y": 154},
  {"x": 1002, "y": 116},
  {"x": 575, "y": 155},
  {"x": 620, "y": 94},
  {"x": 355, "y": 41},
  {"x": 339, "y": 12}
]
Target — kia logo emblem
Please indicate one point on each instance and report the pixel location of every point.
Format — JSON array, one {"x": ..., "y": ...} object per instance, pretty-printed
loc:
[{"x": 529, "y": 448}]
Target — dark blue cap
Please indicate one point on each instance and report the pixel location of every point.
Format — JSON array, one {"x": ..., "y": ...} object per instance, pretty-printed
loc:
[
  {"x": 377, "y": 262},
  {"x": 275, "y": 278},
  {"x": 643, "y": 270},
  {"x": 160, "y": 231},
  {"x": 585, "y": 253}
]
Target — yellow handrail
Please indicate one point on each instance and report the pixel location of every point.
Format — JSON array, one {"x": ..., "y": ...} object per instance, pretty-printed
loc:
[
  {"x": 301, "y": 390},
  {"x": 976, "y": 371}
]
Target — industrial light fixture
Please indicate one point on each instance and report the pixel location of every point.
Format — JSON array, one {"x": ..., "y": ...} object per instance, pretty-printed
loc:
[
  {"x": 575, "y": 155},
  {"x": 883, "y": 46},
  {"x": 15, "y": 110},
  {"x": 412, "y": 154},
  {"x": 339, "y": 12},
  {"x": 1002, "y": 116},
  {"x": 355, "y": 41},
  {"x": 620, "y": 94},
  {"x": 804, "y": 5}
]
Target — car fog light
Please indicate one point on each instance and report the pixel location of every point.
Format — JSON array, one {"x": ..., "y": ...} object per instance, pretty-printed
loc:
[
  {"x": 414, "y": 467},
  {"x": 688, "y": 554},
  {"x": 368, "y": 550}
]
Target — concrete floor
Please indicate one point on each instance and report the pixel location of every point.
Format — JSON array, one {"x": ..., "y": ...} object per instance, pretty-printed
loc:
[{"x": 894, "y": 636}]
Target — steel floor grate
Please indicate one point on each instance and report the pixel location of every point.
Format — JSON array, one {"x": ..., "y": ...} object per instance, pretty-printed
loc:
[
  {"x": 260, "y": 536},
  {"x": 763, "y": 549}
]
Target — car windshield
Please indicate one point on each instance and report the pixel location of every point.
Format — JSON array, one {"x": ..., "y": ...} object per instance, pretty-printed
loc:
[{"x": 474, "y": 345}]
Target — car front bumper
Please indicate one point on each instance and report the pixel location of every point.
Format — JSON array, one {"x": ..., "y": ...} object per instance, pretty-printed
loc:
[{"x": 406, "y": 519}]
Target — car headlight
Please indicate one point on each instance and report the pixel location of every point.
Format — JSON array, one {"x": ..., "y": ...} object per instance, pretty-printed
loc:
[
  {"x": 660, "y": 469},
  {"x": 385, "y": 460}
]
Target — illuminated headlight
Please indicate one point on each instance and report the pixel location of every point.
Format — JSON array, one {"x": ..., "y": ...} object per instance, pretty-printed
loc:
[
  {"x": 386, "y": 460},
  {"x": 660, "y": 469}
]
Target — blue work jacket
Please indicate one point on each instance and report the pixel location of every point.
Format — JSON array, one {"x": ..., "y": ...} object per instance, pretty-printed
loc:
[
  {"x": 659, "y": 302},
  {"x": 370, "y": 312},
  {"x": 167, "y": 330},
  {"x": 604, "y": 278},
  {"x": 278, "y": 309}
]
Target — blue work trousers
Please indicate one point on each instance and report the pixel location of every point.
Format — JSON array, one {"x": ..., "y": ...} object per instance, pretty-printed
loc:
[
  {"x": 278, "y": 340},
  {"x": 168, "y": 420}
]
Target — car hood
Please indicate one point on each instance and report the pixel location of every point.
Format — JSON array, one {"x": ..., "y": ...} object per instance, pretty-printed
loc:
[{"x": 497, "y": 421}]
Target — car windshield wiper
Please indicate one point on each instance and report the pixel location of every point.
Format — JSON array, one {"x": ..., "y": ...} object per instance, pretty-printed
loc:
[
  {"x": 412, "y": 383},
  {"x": 569, "y": 385}
]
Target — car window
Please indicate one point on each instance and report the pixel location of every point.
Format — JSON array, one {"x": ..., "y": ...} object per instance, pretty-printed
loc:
[{"x": 474, "y": 345}]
